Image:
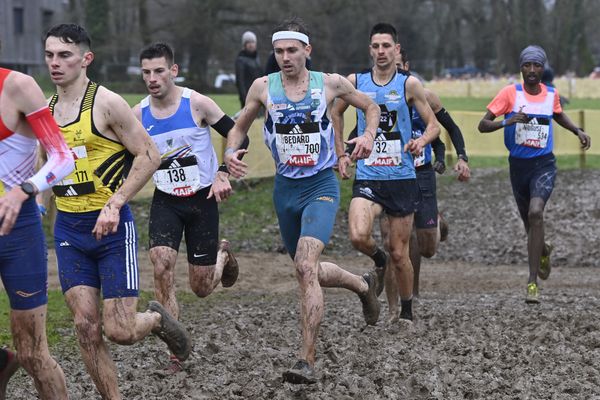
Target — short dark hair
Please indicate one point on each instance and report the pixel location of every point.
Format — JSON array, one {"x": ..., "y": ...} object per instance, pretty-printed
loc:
[
  {"x": 295, "y": 24},
  {"x": 71, "y": 33},
  {"x": 383, "y": 28},
  {"x": 404, "y": 55},
  {"x": 157, "y": 50}
]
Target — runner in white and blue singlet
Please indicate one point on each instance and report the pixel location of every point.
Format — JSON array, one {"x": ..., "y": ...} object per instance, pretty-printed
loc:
[
  {"x": 188, "y": 185},
  {"x": 529, "y": 109},
  {"x": 306, "y": 194}
]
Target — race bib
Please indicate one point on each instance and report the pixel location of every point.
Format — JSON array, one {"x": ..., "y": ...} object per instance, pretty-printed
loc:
[
  {"x": 81, "y": 180},
  {"x": 387, "y": 151},
  {"x": 298, "y": 145},
  {"x": 178, "y": 177},
  {"x": 534, "y": 133}
]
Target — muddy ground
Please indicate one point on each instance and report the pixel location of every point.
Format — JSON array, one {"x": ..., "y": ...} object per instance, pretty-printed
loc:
[{"x": 474, "y": 337}]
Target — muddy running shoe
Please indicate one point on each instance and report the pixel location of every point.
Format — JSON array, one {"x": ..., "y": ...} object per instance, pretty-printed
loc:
[
  {"x": 443, "y": 228},
  {"x": 174, "y": 366},
  {"x": 532, "y": 294},
  {"x": 380, "y": 273},
  {"x": 301, "y": 373},
  {"x": 545, "y": 266},
  {"x": 231, "y": 269},
  {"x": 172, "y": 332},
  {"x": 12, "y": 365},
  {"x": 370, "y": 304}
]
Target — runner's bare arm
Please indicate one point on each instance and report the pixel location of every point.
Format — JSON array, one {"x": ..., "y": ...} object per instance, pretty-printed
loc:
[
  {"x": 119, "y": 118},
  {"x": 337, "y": 118},
  {"x": 342, "y": 88},
  {"x": 416, "y": 97},
  {"x": 487, "y": 123}
]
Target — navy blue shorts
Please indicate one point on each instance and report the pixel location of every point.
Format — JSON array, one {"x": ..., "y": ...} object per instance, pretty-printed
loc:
[
  {"x": 398, "y": 198},
  {"x": 426, "y": 215},
  {"x": 197, "y": 216},
  {"x": 24, "y": 260},
  {"x": 109, "y": 264},
  {"x": 306, "y": 207},
  {"x": 532, "y": 177}
]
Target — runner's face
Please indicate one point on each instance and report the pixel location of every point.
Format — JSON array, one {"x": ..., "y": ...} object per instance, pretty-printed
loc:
[
  {"x": 532, "y": 72},
  {"x": 158, "y": 76},
  {"x": 291, "y": 55},
  {"x": 66, "y": 61},
  {"x": 383, "y": 50}
]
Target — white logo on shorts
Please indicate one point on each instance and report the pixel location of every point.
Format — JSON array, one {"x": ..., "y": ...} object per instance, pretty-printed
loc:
[
  {"x": 200, "y": 255},
  {"x": 366, "y": 191},
  {"x": 64, "y": 244}
]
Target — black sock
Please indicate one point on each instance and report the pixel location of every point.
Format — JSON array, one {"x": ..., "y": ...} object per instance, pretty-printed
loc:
[
  {"x": 3, "y": 359},
  {"x": 379, "y": 257},
  {"x": 406, "y": 311}
]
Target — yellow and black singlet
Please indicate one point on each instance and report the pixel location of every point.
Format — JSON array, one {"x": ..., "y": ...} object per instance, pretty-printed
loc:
[{"x": 100, "y": 163}]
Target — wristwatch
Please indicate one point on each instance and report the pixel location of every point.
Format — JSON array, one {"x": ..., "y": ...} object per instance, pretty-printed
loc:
[
  {"x": 28, "y": 189},
  {"x": 463, "y": 157}
]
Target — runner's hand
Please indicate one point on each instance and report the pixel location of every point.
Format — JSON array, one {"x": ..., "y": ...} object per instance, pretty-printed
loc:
[
  {"x": 363, "y": 146},
  {"x": 221, "y": 187},
  {"x": 439, "y": 166},
  {"x": 237, "y": 168},
  {"x": 344, "y": 163},
  {"x": 107, "y": 222},
  {"x": 464, "y": 172},
  {"x": 584, "y": 138},
  {"x": 518, "y": 117},
  {"x": 10, "y": 206},
  {"x": 414, "y": 146}
]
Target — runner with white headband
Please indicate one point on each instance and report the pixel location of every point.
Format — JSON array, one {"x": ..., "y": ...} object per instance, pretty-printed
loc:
[{"x": 299, "y": 134}]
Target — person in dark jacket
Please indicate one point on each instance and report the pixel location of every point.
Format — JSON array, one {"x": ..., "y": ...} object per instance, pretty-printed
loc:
[{"x": 247, "y": 66}]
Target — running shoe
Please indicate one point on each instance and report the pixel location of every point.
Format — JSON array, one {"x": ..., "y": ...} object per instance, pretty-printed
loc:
[
  {"x": 532, "y": 294},
  {"x": 443, "y": 227},
  {"x": 231, "y": 269},
  {"x": 545, "y": 266},
  {"x": 300, "y": 373},
  {"x": 12, "y": 365},
  {"x": 370, "y": 303},
  {"x": 174, "y": 366},
  {"x": 380, "y": 273},
  {"x": 172, "y": 332}
]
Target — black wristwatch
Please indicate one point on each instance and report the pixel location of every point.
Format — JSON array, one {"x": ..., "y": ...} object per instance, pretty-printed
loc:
[
  {"x": 28, "y": 189},
  {"x": 463, "y": 157}
]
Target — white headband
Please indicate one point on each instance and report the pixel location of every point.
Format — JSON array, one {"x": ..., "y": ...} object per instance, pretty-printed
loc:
[{"x": 281, "y": 35}]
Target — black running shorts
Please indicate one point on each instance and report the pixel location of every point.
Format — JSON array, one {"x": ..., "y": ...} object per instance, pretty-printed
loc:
[
  {"x": 398, "y": 198},
  {"x": 197, "y": 216}
]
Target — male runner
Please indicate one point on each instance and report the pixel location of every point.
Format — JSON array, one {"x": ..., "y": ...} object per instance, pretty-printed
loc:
[
  {"x": 188, "y": 185},
  {"x": 429, "y": 227},
  {"x": 386, "y": 181},
  {"x": 528, "y": 110},
  {"x": 306, "y": 194},
  {"x": 25, "y": 120},
  {"x": 94, "y": 232}
]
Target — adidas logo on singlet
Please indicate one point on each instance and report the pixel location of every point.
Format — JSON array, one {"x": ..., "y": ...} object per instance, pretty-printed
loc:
[
  {"x": 70, "y": 192},
  {"x": 296, "y": 129},
  {"x": 175, "y": 164}
]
